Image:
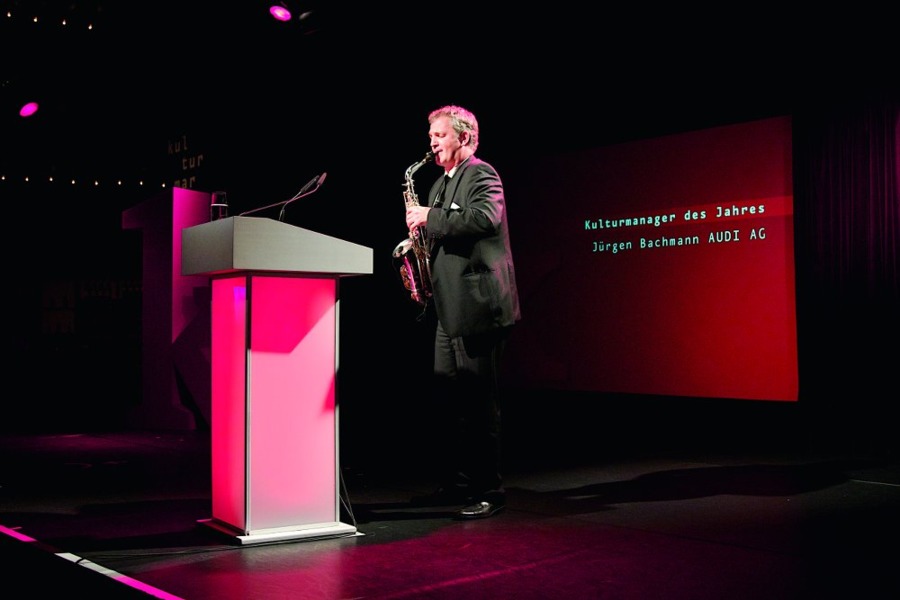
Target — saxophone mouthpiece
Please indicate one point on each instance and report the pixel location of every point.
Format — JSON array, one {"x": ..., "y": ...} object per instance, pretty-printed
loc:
[{"x": 418, "y": 165}]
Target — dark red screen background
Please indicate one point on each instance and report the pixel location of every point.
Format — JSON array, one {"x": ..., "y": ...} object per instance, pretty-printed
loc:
[{"x": 714, "y": 319}]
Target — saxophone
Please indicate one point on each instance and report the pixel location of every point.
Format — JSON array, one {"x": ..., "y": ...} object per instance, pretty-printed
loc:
[{"x": 412, "y": 255}]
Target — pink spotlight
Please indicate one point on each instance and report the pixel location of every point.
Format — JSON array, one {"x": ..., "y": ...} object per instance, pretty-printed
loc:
[
  {"x": 279, "y": 12},
  {"x": 28, "y": 109}
]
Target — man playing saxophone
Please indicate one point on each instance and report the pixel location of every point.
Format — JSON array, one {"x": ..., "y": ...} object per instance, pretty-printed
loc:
[{"x": 476, "y": 303}]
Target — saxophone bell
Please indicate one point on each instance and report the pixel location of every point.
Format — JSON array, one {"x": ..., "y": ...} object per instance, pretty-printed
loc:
[{"x": 411, "y": 271}]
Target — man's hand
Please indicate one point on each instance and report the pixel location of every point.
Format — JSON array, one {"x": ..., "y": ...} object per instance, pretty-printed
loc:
[{"x": 416, "y": 216}]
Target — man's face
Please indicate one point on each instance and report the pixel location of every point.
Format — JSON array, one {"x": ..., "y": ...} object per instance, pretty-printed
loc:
[{"x": 445, "y": 143}]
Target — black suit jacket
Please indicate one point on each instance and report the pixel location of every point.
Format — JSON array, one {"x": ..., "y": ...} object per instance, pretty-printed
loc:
[{"x": 472, "y": 271}]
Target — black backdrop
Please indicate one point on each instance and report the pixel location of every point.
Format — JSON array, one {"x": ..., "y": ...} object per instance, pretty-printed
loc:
[{"x": 267, "y": 109}]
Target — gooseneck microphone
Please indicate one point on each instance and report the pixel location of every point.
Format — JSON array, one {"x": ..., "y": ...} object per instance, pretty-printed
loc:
[
  {"x": 310, "y": 188},
  {"x": 306, "y": 190},
  {"x": 307, "y": 187}
]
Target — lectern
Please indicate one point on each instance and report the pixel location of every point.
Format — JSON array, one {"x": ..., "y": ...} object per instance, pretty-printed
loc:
[{"x": 274, "y": 426}]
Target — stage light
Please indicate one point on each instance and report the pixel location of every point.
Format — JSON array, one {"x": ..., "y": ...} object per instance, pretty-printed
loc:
[
  {"x": 280, "y": 12},
  {"x": 28, "y": 109}
]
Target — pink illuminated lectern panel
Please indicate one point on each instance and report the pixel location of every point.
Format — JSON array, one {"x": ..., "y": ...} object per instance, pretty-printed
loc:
[
  {"x": 275, "y": 450},
  {"x": 286, "y": 476}
]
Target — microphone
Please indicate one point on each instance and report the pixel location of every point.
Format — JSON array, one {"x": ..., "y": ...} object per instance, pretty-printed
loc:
[
  {"x": 306, "y": 190},
  {"x": 311, "y": 187}
]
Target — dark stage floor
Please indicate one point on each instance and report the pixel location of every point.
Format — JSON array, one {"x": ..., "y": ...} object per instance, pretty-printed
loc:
[{"x": 120, "y": 514}]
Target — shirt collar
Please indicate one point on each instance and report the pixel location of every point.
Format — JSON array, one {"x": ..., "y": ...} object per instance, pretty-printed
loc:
[{"x": 453, "y": 171}]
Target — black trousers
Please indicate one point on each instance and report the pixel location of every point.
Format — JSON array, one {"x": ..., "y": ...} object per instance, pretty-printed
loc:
[{"x": 467, "y": 392}]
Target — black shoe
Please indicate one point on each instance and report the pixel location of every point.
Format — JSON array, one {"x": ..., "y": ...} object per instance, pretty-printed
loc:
[
  {"x": 479, "y": 510},
  {"x": 443, "y": 496}
]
